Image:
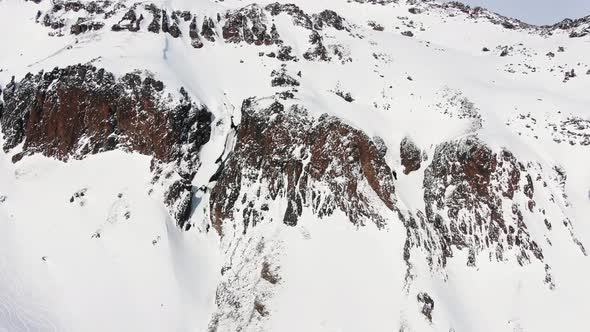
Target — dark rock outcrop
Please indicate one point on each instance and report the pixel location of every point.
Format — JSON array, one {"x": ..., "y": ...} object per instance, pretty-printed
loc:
[
  {"x": 482, "y": 13},
  {"x": 319, "y": 163},
  {"x": 285, "y": 54},
  {"x": 170, "y": 28},
  {"x": 464, "y": 188},
  {"x": 157, "y": 16},
  {"x": 194, "y": 34},
  {"x": 427, "y": 305},
  {"x": 300, "y": 18},
  {"x": 248, "y": 24},
  {"x": 282, "y": 79},
  {"x": 344, "y": 95},
  {"x": 376, "y": 26},
  {"x": 52, "y": 18},
  {"x": 174, "y": 30},
  {"x": 410, "y": 155},
  {"x": 208, "y": 29},
  {"x": 329, "y": 18},
  {"x": 317, "y": 51},
  {"x": 252, "y": 24},
  {"x": 79, "y": 110},
  {"x": 415, "y": 10},
  {"x": 129, "y": 22},
  {"x": 569, "y": 75},
  {"x": 83, "y": 25},
  {"x": 315, "y": 24},
  {"x": 578, "y": 28}
]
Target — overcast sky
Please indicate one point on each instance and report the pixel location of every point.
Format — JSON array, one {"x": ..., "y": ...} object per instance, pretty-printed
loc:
[{"x": 536, "y": 11}]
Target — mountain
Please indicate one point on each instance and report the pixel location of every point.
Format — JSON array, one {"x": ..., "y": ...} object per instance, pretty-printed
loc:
[{"x": 309, "y": 165}]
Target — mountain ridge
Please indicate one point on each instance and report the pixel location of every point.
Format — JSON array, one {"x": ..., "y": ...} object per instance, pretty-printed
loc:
[{"x": 291, "y": 166}]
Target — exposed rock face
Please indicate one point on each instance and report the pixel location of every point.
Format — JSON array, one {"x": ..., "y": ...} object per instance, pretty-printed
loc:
[
  {"x": 569, "y": 75},
  {"x": 479, "y": 12},
  {"x": 319, "y": 163},
  {"x": 329, "y": 18},
  {"x": 285, "y": 157},
  {"x": 300, "y": 18},
  {"x": 82, "y": 26},
  {"x": 464, "y": 189},
  {"x": 427, "y": 305},
  {"x": 54, "y": 20},
  {"x": 247, "y": 24},
  {"x": 129, "y": 22},
  {"x": 576, "y": 28},
  {"x": 477, "y": 200},
  {"x": 411, "y": 155},
  {"x": 286, "y": 163},
  {"x": 157, "y": 16},
  {"x": 573, "y": 130},
  {"x": 80, "y": 110},
  {"x": 344, "y": 95},
  {"x": 194, "y": 34},
  {"x": 251, "y": 24},
  {"x": 208, "y": 29},
  {"x": 284, "y": 54},
  {"x": 174, "y": 30},
  {"x": 415, "y": 10},
  {"x": 282, "y": 79},
  {"x": 165, "y": 22},
  {"x": 318, "y": 51}
]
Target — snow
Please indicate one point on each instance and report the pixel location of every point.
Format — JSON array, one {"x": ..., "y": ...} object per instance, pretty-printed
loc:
[
  {"x": 57, "y": 276},
  {"x": 340, "y": 278}
]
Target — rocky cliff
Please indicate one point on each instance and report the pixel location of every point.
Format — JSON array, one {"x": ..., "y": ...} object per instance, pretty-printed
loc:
[
  {"x": 80, "y": 110},
  {"x": 306, "y": 166}
]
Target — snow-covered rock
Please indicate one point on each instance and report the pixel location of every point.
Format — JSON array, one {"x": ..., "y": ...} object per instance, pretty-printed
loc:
[{"x": 308, "y": 166}]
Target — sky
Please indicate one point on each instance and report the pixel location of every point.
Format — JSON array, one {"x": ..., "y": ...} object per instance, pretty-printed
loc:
[{"x": 536, "y": 11}]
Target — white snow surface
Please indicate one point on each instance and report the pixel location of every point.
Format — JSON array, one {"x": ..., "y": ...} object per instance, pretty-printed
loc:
[{"x": 144, "y": 274}]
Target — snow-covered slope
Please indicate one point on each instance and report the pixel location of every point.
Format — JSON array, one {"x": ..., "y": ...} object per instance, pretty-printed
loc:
[{"x": 309, "y": 165}]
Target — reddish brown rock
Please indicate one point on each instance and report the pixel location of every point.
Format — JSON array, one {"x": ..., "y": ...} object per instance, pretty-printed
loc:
[
  {"x": 410, "y": 155},
  {"x": 464, "y": 188},
  {"x": 81, "y": 110},
  {"x": 321, "y": 163}
]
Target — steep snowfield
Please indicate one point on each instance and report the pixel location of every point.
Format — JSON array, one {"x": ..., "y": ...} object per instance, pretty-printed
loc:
[
  {"x": 109, "y": 259},
  {"x": 112, "y": 259}
]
